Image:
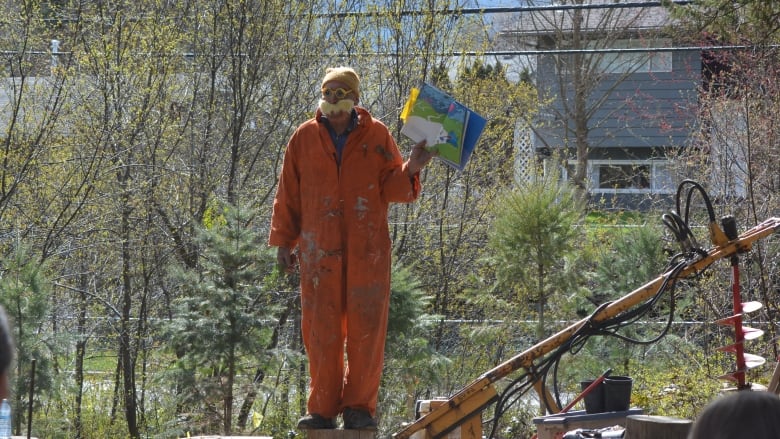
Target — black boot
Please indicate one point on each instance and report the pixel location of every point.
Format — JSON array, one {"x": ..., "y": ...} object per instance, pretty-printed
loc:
[
  {"x": 314, "y": 421},
  {"x": 358, "y": 420}
]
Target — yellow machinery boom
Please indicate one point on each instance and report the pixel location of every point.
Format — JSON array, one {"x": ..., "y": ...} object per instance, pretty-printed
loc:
[{"x": 473, "y": 398}]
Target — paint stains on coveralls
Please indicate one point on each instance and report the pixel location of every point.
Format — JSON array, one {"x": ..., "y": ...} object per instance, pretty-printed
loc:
[
  {"x": 337, "y": 216},
  {"x": 361, "y": 208}
]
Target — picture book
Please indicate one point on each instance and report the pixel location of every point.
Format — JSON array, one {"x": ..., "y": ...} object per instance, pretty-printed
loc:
[{"x": 447, "y": 126}]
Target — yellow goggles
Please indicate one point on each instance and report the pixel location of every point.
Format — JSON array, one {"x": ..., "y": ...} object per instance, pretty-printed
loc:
[{"x": 339, "y": 93}]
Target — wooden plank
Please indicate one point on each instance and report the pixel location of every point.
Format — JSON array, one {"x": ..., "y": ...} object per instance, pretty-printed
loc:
[
  {"x": 657, "y": 427},
  {"x": 555, "y": 426},
  {"x": 774, "y": 384},
  {"x": 340, "y": 434},
  {"x": 475, "y": 388},
  {"x": 451, "y": 413},
  {"x": 470, "y": 429},
  {"x": 455, "y": 415}
]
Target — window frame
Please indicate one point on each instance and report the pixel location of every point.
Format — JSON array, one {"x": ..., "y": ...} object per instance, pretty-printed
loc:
[{"x": 659, "y": 176}]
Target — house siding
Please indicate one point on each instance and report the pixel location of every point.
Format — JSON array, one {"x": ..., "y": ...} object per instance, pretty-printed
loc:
[
  {"x": 641, "y": 117},
  {"x": 644, "y": 110}
]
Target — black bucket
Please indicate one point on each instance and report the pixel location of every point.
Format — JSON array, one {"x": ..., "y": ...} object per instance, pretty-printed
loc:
[
  {"x": 617, "y": 393},
  {"x": 594, "y": 400}
]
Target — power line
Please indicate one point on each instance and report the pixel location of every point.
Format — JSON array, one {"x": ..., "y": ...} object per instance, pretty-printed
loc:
[
  {"x": 498, "y": 53},
  {"x": 461, "y": 11},
  {"x": 513, "y": 9},
  {"x": 572, "y": 7},
  {"x": 613, "y": 50}
]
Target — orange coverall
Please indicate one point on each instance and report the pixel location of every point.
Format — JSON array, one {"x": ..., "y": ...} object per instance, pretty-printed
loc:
[{"x": 337, "y": 217}]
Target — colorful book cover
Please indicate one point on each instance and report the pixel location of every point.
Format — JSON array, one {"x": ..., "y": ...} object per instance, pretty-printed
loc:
[{"x": 448, "y": 126}]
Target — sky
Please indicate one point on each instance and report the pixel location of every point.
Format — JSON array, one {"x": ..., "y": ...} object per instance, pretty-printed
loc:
[{"x": 514, "y": 65}]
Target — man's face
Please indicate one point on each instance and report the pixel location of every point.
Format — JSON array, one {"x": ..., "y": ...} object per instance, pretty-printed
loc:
[{"x": 337, "y": 101}]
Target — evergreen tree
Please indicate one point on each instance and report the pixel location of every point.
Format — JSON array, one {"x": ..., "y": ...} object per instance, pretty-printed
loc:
[
  {"x": 24, "y": 293},
  {"x": 533, "y": 243},
  {"x": 224, "y": 320},
  {"x": 411, "y": 363}
]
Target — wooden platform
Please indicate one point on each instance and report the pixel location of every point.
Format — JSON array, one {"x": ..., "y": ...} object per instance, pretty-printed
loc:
[
  {"x": 657, "y": 427},
  {"x": 340, "y": 434},
  {"x": 228, "y": 437},
  {"x": 556, "y": 425},
  {"x": 310, "y": 434}
]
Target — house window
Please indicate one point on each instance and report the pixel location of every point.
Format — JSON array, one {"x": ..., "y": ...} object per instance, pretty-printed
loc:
[
  {"x": 627, "y": 176},
  {"x": 634, "y": 59}
]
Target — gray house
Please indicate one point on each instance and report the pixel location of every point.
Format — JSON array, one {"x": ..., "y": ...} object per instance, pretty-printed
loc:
[{"x": 616, "y": 92}]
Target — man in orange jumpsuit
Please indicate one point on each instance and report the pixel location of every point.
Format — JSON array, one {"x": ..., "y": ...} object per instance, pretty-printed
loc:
[{"x": 341, "y": 170}]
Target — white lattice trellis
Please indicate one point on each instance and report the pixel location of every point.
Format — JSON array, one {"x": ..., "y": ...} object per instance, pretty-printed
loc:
[{"x": 524, "y": 151}]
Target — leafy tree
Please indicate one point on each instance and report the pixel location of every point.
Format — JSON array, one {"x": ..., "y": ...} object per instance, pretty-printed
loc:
[
  {"x": 754, "y": 21},
  {"x": 158, "y": 114},
  {"x": 455, "y": 206},
  {"x": 673, "y": 379},
  {"x": 734, "y": 154},
  {"x": 578, "y": 92}
]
